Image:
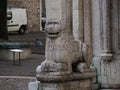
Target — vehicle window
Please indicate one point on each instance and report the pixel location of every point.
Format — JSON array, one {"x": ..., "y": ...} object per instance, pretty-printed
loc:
[{"x": 9, "y": 15}]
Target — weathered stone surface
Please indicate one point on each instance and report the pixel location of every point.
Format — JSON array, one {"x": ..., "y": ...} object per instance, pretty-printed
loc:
[
  {"x": 33, "y": 85},
  {"x": 108, "y": 89},
  {"x": 106, "y": 38},
  {"x": 76, "y": 32},
  {"x": 63, "y": 54},
  {"x": 84, "y": 84},
  {"x": 45, "y": 77},
  {"x": 95, "y": 86},
  {"x": 110, "y": 86},
  {"x": 106, "y": 53}
]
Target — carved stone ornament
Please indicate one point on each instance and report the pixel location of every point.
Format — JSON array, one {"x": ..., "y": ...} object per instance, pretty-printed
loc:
[
  {"x": 53, "y": 29},
  {"x": 63, "y": 54}
]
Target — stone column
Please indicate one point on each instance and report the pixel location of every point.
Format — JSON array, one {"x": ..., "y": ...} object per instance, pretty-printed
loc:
[
  {"x": 87, "y": 26},
  {"x": 106, "y": 55},
  {"x": 58, "y": 10},
  {"x": 81, "y": 20},
  {"x": 40, "y": 12},
  {"x": 78, "y": 20},
  {"x": 87, "y": 22},
  {"x": 75, "y": 20}
]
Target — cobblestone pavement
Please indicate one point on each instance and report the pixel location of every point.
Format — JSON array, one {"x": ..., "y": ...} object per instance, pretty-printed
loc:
[{"x": 28, "y": 66}]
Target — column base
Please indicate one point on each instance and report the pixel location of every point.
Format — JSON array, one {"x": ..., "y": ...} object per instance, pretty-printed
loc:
[
  {"x": 108, "y": 86},
  {"x": 74, "y": 81},
  {"x": 106, "y": 56}
]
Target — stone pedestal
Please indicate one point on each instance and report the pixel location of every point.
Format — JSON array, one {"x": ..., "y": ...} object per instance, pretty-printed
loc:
[
  {"x": 74, "y": 81},
  {"x": 66, "y": 66}
]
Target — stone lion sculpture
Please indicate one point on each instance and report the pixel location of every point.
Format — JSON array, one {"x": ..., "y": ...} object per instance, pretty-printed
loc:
[{"x": 63, "y": 54}]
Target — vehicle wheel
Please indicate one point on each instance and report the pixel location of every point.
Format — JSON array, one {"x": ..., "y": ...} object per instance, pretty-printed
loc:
[{"x": 22, "y": 30}]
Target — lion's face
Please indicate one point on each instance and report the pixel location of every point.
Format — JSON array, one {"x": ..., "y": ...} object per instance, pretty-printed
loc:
[{"x": 53, "y": 29}]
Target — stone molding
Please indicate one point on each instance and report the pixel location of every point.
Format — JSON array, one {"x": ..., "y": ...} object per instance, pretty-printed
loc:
[{"x": 45, "y": 77}]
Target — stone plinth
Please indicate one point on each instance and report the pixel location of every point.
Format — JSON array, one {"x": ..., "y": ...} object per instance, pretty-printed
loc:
[{"x": 74, "y": 81}]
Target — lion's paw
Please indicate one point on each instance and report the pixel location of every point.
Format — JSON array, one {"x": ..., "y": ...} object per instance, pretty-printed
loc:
[{"x": 48, "y": 66}]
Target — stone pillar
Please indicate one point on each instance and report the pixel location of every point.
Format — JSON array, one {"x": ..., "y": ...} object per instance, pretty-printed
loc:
[
  {"x": 75, "y": 20},
  {"x": 81, "y": 20},
  {"x": 87, "y": 26},
  {"x": 40, "y": 11},
  {"x": 78, "y": 20},
  {"x": 87, "y": 22},
  {"x": 78, "y": 31},
  {"x": 57, "y": 10},
  {"x": 106, "y": 55}
]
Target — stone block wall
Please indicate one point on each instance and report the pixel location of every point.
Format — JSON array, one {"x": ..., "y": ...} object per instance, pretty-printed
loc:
[{"x": 33, "y": 12}]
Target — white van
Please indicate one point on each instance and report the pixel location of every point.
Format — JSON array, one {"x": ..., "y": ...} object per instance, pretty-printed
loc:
[{"x": 17, "y": 20}]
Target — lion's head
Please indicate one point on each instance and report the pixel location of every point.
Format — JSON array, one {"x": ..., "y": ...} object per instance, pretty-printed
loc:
[{"x": 53, "y": 28}]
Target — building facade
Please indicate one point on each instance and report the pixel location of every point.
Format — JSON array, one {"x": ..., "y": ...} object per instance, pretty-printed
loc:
[
  {"x": 33, "y": 12},
  {"x": 98, "y": 26}
]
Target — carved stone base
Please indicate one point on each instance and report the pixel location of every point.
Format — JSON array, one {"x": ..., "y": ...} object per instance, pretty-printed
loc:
[
  {"x": 106, "y": 56},
  {"x": 74, "y": 81},
  {"x": 71, "y": 85},
  {"x": 107, "y": 86}
]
